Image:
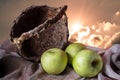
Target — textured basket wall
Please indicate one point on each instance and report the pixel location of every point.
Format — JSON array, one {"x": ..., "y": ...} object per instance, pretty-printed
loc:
[{"x": 46, "y": 28}]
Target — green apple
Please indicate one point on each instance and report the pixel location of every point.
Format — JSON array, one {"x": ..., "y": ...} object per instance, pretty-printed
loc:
[
  {"x": 73, "y": 49},
  {"x": 87, "y": 63},
  {"x": 54, "y": 61}
]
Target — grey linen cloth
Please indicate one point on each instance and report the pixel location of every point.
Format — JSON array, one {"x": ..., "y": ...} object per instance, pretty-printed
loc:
[{"x": 14, "y": 67}]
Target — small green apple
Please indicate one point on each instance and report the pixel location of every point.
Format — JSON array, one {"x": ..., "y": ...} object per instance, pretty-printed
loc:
[
  {"x": 73, "y": 49},
  {"x": 87, "y": 63},
  {"x": 54, "y": 61}
]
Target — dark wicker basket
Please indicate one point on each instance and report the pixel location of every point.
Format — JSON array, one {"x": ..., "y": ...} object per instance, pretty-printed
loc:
[{"x": 39, "y": 28}]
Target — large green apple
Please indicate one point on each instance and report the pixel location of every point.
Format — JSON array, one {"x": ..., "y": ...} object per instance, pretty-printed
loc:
[
  {"x": 87, "y": 63},
  {"x": 73, "y": 49},
  {"x": 54, "y": 61}
]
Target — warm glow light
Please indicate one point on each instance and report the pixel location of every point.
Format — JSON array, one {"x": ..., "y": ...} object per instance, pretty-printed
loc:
[
  {"x": 95, "y": 40},
  {"x": 75, "y": 27},
  {"x": 79, "y": 33},
  {"x": 95, "y": 35},
  {"x": 117, "y": 13}
]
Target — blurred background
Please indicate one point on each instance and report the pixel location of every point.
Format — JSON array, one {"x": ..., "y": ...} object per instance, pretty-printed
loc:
[{"x": 99, "y": 18}]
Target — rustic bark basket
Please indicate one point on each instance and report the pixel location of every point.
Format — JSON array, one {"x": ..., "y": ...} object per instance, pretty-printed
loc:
[{"x": 39, "y": 28}]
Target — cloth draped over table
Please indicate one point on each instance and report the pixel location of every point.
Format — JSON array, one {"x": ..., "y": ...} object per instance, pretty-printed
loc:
[{"x": 14, "y": 67}]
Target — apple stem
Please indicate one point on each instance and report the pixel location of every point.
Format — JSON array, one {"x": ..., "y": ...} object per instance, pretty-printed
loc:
[{"x": 94, "y": 63}]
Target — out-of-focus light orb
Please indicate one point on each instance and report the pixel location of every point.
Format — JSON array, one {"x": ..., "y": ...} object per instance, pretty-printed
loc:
[{"x": 117, "y": 13}]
